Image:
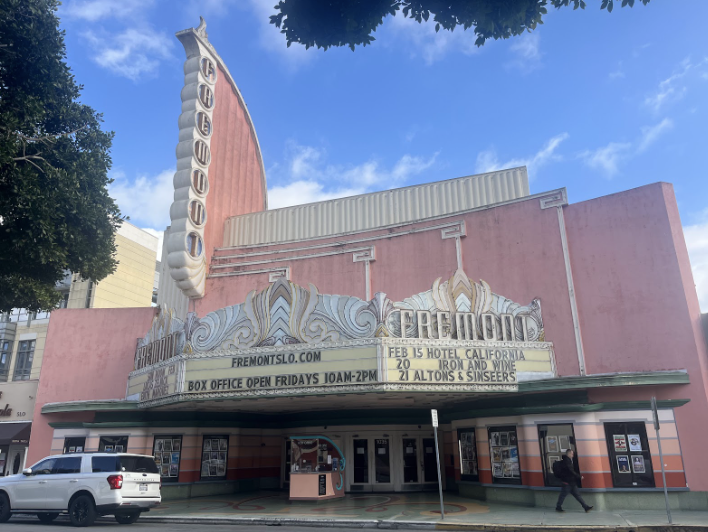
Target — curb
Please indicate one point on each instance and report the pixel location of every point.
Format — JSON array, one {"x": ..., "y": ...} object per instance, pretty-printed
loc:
[
  {"x": 286, "y": 521},
  {"x": 413, "y": 525}
]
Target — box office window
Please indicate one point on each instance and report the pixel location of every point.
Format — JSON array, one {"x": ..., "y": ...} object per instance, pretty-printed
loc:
[
  {"x": 555, "y": 440},
  {"x": 504, "y": 455},
  {"x": 468, "y": 454},
  {"x": 167, "y": 451},
  {"x": 74, "y": 445},
  {"x": 630, "y": 459},
  {"x": 214, "y": 457},
  {"x": 113, "y": 444}
]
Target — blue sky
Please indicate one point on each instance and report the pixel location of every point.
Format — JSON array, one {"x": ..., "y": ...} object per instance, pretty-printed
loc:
[{"x": 591, "y": 101}]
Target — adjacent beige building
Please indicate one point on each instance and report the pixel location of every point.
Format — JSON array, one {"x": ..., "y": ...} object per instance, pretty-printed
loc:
[{"x": 23, "y": 334}]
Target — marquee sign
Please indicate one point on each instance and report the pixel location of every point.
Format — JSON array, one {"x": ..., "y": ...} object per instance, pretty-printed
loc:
[{"x": 287, "y": 339}]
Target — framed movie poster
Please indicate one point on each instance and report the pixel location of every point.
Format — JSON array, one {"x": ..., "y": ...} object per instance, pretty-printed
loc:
[
  {"x": 630, "y": 458},
  {"x": 504, "y": 455},
  {"x": 107, "y": 444},
  {"x": 620, "y": 443},
  {"x": 168, "y": 453},
  {"x": 467, "y": 443},
  {"x": 635, "y": 443},
  {"x": 638, "y": 464},
  {"x": 554, "y": 440},
  {"x": 552, "y": 444},
  {"x": 623, "y": 464},
  {"x": 214, "y": 457}
]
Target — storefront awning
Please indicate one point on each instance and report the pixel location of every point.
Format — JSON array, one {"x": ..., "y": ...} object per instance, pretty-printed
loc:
[{"x": 15, "y": 433}]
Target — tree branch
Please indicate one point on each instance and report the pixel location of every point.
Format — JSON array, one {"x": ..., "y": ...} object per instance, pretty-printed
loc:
[{"x": 50, "y": 137}]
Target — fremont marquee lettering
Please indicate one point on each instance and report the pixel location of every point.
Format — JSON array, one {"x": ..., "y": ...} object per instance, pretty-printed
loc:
[
  {"x": 157, "y": 351},
  {"x": 466, "y": 326},
  {"x": 453, "y": 365}
]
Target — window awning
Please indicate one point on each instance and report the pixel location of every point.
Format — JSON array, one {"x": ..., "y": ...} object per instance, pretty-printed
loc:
[{"x": 15, "y": 433}]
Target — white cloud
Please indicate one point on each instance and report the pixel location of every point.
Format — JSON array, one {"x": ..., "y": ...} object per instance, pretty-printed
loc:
[
  {"x": 619, "y": 73},
  {"x": 432, "y": 46},
  {"x": 134, "y": 53},
  {"x": 669, "y": 89},
  {"x": 299, "y": 192},
  {"x": 487, "y": 161},
  {"x": 310, "y": 178},
  {"x": 608, "y": 159},
  {"x": 93, "y": 10},
  {"x": 146, "y": 200},
  {"x": 697, "y": 243},
  {"x": 652, "y": 133},
  {"x": 527, "y": 51}
]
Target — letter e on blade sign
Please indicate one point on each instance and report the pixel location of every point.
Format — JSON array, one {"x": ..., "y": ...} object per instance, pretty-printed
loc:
[{"x": 434, "y": 413}]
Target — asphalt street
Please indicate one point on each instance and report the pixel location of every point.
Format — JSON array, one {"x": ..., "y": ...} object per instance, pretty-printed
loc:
[{"x": 30, "y": 525}]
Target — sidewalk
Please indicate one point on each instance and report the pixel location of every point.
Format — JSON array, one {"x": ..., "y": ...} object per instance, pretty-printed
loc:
[{"x": 419, "y": 511}]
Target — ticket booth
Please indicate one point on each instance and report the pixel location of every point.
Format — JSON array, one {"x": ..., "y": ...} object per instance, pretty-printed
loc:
[{"x": 316, "y": 469}]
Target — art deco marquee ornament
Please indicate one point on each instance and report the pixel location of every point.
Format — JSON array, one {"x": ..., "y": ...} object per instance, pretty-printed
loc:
[
  {"x": 185, "y": 241},
  {"x": 288, "y": 314}
]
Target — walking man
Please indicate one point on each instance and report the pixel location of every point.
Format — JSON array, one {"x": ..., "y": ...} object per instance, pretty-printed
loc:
[{"x": 565, "y": 472}]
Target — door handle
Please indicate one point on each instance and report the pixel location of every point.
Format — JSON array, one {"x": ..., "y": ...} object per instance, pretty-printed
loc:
[
  {"x": 42, "y": 481},
  {"x": 74, "y": 480}
]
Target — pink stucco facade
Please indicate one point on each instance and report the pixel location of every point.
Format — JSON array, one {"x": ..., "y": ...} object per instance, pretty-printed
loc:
[
  {"x": 637, "y": 313},
  {"x": 87, "y": 358}
]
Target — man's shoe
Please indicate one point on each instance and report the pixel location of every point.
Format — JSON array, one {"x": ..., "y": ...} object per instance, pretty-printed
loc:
[
  {"x": 562, "y": 510},
  {"x": 589, "y": 508}
]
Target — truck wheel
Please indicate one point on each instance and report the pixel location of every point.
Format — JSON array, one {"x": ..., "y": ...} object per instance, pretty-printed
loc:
[
  {"x": 47, "y": 518},
  {"x": 82, "y": 511},
  {"x": 4, "y": 508},
  {"x": 127, "y": 519}
]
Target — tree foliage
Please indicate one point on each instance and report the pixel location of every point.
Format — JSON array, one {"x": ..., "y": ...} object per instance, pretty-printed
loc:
[
  {"x": 326, "y": 23},
  {"x": 55, "y": 211}
]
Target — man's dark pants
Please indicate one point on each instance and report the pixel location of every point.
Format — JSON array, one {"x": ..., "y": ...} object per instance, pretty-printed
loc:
[{"x": 573, "y": 490}]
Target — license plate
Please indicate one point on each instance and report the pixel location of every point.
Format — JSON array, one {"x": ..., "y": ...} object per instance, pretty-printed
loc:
[{"x": 143, "y": 487}]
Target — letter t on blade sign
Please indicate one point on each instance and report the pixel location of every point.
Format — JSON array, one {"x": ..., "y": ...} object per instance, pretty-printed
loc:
[{"x": 434, "y": 413}]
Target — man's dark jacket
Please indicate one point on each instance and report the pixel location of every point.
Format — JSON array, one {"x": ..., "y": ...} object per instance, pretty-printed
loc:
[{"x": 567, "y": 470}]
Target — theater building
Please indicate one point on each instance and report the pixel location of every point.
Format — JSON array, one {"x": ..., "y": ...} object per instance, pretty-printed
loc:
[{"x": 533, "y": 325}]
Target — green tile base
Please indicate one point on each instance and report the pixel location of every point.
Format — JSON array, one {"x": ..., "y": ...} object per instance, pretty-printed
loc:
[
  {"x": 603, "y": 501},
  {"x": 210, "y": 489}
]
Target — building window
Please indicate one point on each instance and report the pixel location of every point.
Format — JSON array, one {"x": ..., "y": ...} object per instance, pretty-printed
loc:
[
  {"x": 555, "y": 440},
  {"x": 504, "y": 454},
  {"x": 468, "y": 454},
  {"x": 113, "y": 444},
  {"x": 5, "y": 357},
  {"x": 167, "y": 451},
  {"x": 25, "y": 354},
  {"x": 630, "y": 459},
  {"x": 214, "y": 457},
  {"x": 74, "y": 445}
]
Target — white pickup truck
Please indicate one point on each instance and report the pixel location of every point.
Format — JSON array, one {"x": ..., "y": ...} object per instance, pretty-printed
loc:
[{"x": 84, "y": 485}]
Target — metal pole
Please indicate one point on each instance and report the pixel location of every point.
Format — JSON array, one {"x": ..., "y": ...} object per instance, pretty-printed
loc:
[
  {"x": 663, "y": 476},
  {"x": 437, "y": 458}
]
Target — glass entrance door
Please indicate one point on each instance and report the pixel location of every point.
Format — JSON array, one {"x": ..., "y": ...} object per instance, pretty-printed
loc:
[
  {"x": 410, "y": 460},
  {"x": 430, "y": 464}
]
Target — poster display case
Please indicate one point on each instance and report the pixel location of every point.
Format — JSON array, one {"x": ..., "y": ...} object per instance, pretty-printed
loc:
[
  {"x": 215, "y": 454},
  {"x": 630, "y": 459},
  {"x": 316, "y": 469},
  {"x": 504, "y": 454},
  {"x": 555, "y": 440},
  {"x": 167, "y": 451},
  {"x": 468, "y": 454}
]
